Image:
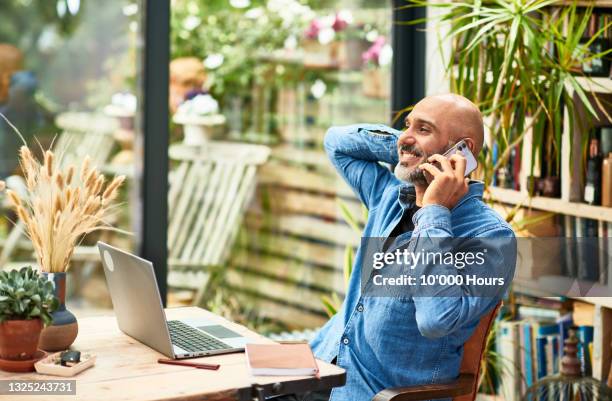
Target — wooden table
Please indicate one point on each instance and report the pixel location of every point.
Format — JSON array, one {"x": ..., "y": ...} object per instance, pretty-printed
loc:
[{"x": 128, "y": 370}]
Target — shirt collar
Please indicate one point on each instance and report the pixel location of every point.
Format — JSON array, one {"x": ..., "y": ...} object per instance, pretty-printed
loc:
[{"x": 406, "y": 194}]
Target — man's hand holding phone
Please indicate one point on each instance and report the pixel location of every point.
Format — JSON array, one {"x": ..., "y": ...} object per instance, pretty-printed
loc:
[{"x": 447, "y": 184}]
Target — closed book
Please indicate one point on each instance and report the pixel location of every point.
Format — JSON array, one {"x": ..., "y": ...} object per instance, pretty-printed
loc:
[
  {"x": 281, "y": 360},
  {"x": 541, "y": 357},
  {"x": 530, "y": 312},
  {"x": 555, "y": 347},
  {"x": 509, "y": 350},
  {"x": 529, "y": 368},
  {"x": 585, "y": 337},
  {"x": 606, "y": 181},
  {"x": 587, "y": 255},
  {"x": 609, "y": 252},
  {"x": 569, "y": 231},
  {"x": 602, "y": 228}
]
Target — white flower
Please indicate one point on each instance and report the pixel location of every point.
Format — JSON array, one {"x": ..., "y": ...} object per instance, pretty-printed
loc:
[
  {"x": 191, "y": 22},
  {"x": 125, "y": 101},
  {"x": 73, "y": 6},
  {"x": 130, "y": 9},
  {"x": 49, "y": 39},
  {"x": 254, "y": 13},
  {"x": 290, "y": 43},
  {"x": 213, "y": 61},
  {"x": 240, "y": 3},
  {"x": 200, "y": 105},
  {"x": 277, "y": 5},
  {"x": 318, "y": 89},
  {"x": 326, "y": 35},
  {"x": 327, "y": 21},
  {"x": 385, "y": 56},
  {"x": 60, "y": 8},
  {"x": 346, "y": 15},
  {"x": 372, "y": 35}
]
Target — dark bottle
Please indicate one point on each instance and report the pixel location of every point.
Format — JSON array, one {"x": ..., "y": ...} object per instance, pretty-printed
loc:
[{"x": 592, "y": 189}]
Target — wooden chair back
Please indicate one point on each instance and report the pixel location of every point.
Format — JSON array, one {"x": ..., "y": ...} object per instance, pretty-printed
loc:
[
  {"x": 210, "y": 188},
  {"x": 473, "y": 351},
  {"x": 465, "y": 387}
]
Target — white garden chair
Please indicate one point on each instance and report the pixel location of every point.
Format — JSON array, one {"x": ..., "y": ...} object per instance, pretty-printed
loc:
[{"x": 210, "y": 188}]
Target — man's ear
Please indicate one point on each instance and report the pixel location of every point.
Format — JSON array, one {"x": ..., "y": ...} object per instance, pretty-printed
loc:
[{"x": 471, "y": 145}]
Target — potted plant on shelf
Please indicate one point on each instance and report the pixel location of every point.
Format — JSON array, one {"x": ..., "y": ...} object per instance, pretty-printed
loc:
[
  {"x": 333, "y": 41},
  {"x": 61, "y": 206},
  {"x": 26, "y": 303},
  {"x": 200, "y": 119},
  {"x": 376, "y": 73},
  {"x": 517, "y": 61}
]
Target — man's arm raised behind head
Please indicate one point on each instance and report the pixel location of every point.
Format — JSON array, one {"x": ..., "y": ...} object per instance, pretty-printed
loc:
[{"x": 356, "y": 150}]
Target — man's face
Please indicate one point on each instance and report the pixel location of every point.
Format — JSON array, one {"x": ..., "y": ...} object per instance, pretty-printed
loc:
[{"x": 425, "y": 134}]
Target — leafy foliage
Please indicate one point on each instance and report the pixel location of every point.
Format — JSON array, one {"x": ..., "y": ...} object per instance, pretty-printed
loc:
[
  {"x": 518, "y": 61},
  {"x": 24, "y": 295},
  {"x": 333, "y": 302}
]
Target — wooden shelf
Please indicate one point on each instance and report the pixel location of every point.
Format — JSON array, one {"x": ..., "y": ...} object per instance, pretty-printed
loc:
[
  {"x": 595, "y": 84},
  {"x": 583, "y": 3},
  {"x": 549, "y": 286},
  {"x": 554, "y": 205}
]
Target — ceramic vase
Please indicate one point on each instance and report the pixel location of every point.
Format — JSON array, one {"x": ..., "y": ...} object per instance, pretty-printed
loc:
[{"x": 64, "y": 329}]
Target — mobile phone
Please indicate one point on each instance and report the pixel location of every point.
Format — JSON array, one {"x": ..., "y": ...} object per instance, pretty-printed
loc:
[{"x": 462, "y": 148}]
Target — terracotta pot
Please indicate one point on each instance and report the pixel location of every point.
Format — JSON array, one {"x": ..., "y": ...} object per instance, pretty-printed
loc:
[
  {"x": 63, "y": 331},
  {"x": 349, "y": 53},
  {"x": 19, "y": 338},
  {"x": 376, "y": 83},
  {"x": 317, "y": 55}
]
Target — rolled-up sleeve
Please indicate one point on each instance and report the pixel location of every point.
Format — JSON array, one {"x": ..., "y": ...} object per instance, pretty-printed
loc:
[
  {"x": 356, "y": 150},
  {"x": 450, "y": 307}
]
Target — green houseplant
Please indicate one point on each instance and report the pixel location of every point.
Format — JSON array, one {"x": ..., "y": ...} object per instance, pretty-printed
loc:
[
  {"x": 26, "y": 304},
  {"x": 518, "y": 61}
]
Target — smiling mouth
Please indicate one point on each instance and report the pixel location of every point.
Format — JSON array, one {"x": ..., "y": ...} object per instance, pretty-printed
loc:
[{"x": 409, "y": 155}]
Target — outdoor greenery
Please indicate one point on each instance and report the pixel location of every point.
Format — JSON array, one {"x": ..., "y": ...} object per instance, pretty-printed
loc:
[
  {"x": 332, "y": 303},
  {"x": 233, "y": 40},
  {"x": 24, "y": 294},
  {"x": 518, "y": 60}
]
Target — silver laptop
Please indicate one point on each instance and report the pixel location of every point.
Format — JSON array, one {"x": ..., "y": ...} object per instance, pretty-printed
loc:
[{"x": 140, "y": 314}]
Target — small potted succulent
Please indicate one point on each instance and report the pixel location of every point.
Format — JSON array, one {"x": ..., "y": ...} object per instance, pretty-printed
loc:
[{"x": 26, "y": 303}]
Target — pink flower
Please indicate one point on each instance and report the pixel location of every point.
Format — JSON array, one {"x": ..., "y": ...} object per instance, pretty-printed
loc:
[
  {"x": 313, "y": 30},
  {"x": 340, "y": 23},
  {"x": 372, "y": 54}
]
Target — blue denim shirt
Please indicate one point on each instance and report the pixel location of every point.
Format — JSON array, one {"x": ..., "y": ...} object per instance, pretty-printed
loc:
[{"x": 387, "y": 342}]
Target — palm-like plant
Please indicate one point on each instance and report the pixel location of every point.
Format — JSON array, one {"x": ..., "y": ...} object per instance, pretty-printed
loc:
[{"x": 517, "y": 60}]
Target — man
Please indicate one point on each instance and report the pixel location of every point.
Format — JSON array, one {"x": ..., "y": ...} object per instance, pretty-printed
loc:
[{"x": 395, "y": 341}]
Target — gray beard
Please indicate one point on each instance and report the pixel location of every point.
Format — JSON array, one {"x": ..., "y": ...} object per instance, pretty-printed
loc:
[{"x": 415, "y": 176}]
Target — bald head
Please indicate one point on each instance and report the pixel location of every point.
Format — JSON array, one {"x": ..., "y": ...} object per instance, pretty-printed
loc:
[
  {"x": 434, "y": 125},
  {"x": 455, "y": 116}
]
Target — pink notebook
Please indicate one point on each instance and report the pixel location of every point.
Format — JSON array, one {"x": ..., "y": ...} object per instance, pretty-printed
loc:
[{"x": 281, "y": 360}]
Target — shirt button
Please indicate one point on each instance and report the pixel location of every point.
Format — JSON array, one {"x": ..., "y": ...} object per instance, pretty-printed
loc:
[
  {"x": 360, "y": 308},
  {"x": 345, "y": 341}
]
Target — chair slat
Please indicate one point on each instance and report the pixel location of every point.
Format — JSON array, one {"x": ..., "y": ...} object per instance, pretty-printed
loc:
[
  {"x": 220, "y": 225},
  {"x": 204, "y": 215}
]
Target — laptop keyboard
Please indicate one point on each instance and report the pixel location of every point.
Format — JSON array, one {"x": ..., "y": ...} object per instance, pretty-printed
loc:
[{"x": 191, "y": 339}]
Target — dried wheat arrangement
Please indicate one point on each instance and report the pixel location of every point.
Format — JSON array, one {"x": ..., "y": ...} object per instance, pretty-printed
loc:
[{"x": 61, "y": 206}]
